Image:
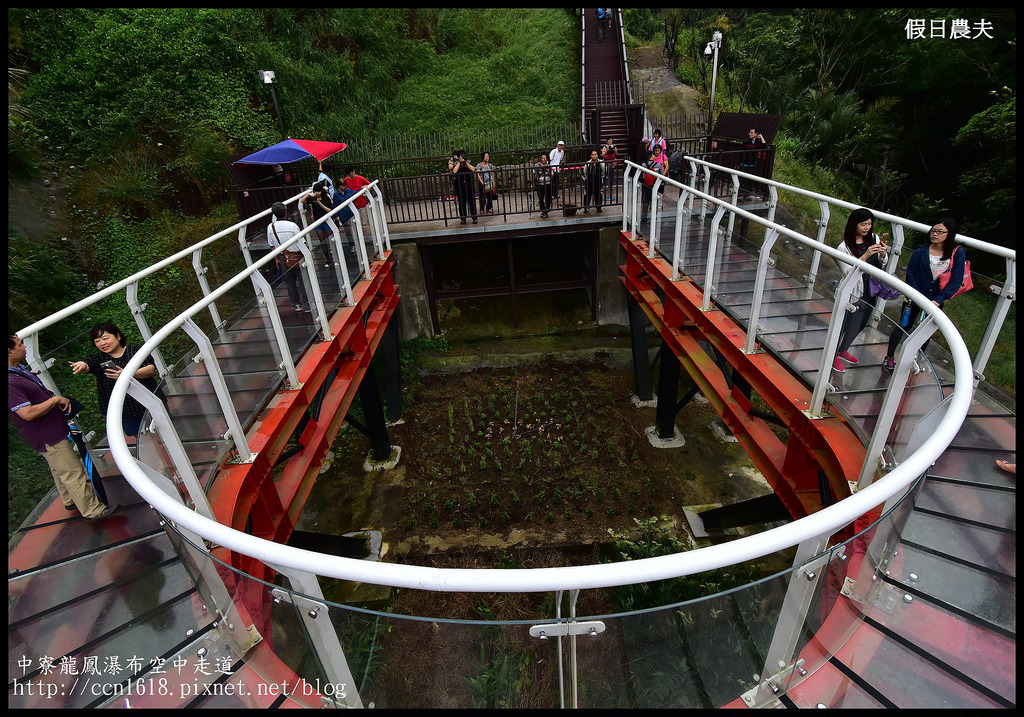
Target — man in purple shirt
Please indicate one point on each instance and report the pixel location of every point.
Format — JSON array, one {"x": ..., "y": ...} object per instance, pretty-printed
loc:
[{"x": 40, "y": 418}]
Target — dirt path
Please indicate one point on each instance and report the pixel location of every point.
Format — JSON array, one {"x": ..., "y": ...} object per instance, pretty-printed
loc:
[{"x": 666, "y": 94}]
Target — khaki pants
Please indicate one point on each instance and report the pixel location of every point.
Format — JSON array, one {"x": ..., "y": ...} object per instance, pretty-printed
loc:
[{"x": 71, "y": 479}]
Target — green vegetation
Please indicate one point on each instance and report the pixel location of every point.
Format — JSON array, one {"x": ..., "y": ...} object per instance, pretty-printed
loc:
[
  {"x": 908, "y": 126},
  {"x": 869, "y": 116}
]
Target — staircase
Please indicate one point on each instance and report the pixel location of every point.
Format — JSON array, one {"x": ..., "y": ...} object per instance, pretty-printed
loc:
[{"x": 605, "y": 85}]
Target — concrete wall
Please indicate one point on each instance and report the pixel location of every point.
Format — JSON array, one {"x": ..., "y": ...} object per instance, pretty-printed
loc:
[
  {"x": 414, "y": 309},
  {"x": 611, "y": 295}
]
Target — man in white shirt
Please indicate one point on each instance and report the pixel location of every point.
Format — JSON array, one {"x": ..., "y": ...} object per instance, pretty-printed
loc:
[
  {"x": 278, "y": 233},
  {"x": 555, "y": 159}
]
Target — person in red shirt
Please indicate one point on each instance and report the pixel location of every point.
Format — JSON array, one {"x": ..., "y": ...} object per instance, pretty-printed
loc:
[{"x": 355, "y": 182}]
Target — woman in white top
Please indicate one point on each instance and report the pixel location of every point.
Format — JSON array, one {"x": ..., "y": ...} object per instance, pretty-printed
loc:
[
  {"x": 485, "y": 175},
  {"x": 859, "y": 242}
]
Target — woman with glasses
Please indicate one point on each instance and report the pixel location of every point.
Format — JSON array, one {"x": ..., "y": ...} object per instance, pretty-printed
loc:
[{"x": 926, "y": 265}]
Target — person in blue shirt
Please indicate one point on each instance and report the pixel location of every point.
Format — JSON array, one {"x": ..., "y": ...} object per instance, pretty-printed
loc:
[
  {"x": 322, "y": 178},
  {"x": 926, "y": 265}
]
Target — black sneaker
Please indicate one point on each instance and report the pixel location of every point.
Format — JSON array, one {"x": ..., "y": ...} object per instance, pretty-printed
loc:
[
  {"x": 107, "y": 512},
  {"x": 889, "y": 364}
]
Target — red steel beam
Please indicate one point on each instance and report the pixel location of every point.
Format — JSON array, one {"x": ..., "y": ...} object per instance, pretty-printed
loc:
[
  {"x": 791, "y": 466},
  {"x": 249, "y": 493}
]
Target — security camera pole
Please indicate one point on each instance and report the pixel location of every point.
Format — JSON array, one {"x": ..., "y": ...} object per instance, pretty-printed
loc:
[
  {"x": 716, "y": 42},
  {"x": 268, "y": 79}
]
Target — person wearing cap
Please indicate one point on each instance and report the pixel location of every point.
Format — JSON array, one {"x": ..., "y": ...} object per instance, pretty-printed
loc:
[
  {"x": 556, "y": 156},
  {"x": 41, "y": 418}
]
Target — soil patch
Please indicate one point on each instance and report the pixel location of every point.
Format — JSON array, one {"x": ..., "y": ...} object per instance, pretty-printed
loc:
[{"x": 665, "y": 93}]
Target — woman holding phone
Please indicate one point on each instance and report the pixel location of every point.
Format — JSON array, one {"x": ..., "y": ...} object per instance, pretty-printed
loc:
[{"x": 107, "y": 367}]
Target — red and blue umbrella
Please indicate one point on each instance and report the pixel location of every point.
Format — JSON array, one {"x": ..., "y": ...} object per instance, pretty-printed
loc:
[{"x": 292, "y": 150}]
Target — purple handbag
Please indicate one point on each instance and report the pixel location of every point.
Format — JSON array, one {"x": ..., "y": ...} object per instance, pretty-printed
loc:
[{"x": 884, "y": 291}]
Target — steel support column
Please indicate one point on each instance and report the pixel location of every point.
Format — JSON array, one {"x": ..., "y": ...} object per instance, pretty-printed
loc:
[
  {"x": 376, "y": 428},
  {"x": 638, "y": 340},
  {"x": 393, "y": 372},
  {"x": 668, "y": 392}
]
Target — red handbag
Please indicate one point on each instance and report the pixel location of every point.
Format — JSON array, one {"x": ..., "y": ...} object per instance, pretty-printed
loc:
[{"x": 945, "y": 276}]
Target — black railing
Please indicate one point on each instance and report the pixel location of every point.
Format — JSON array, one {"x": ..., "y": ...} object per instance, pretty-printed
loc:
[
  {"x": 435, "y": 197},
  {"x": 439, "y": 197}
]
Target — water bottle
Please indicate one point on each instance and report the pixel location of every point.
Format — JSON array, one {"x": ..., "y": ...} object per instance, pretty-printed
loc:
[{"x": 908, "y": 307}]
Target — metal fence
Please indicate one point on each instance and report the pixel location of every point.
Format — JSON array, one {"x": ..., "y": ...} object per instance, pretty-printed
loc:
[
  {"x": 677, "y": 127},
  {"x": 436, "y": 197}
]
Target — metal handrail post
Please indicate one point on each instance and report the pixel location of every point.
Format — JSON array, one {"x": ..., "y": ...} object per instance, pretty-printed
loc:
[
  {"x": 378, "y": 205},
  {"x": 627, "y": 197},
  {"x": 235, "y": 430},
  {"x": 773, "y": 202},
  {"x": 677, "y": 249},
  {"x": 197, "y": 266},
  {"x": 313, "y": 609},
  {"x": 204, "y": 574},
  {"x": 822, "y": 222},
  {"x": 809, "y": 564},
  {"x": 340, "y": 265},
  {"x": 35, "y": 362},
  {"x": 364, "y": 260},
  {"x": 1006, "y": 296},
  {"x": 764, "y": 261},
  {"x": 635, "y": 213},
  {"x": 693, "y": 181},
  {"x": 132, "y": 298},
  {"x": 893, "y": 397},
  {"x": 311, "y": 281},
  {"x": 735, "y": 202},
  {"x": 266, "y": 298},
  {"x": 172, "y": 445},
  {"x": 655, "y": 225},
  {"x": 707, "y": 192},
  {"x": 243, "y": 242},
  {"x": 844, "y": 294},
  {"x": 709, "y": 267},
  {"x": 891, "y": 264}
]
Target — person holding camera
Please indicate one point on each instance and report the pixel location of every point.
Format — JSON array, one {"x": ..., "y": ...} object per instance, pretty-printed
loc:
[
  {"x": 41, "y": 418},
  {"x": 542, "y": 185},
  {"x": 107, "y": 367},
  {"x": 319, "y": 202},
  {"x": 464, "y": 190},
  {"x": 555, "y": 158}
]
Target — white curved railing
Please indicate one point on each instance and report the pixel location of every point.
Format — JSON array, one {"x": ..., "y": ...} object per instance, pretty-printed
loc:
[{"x": 593, "y": 576}]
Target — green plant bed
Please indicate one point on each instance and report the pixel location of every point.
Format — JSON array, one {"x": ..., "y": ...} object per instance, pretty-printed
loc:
[{"x": 557, "y": 441}]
